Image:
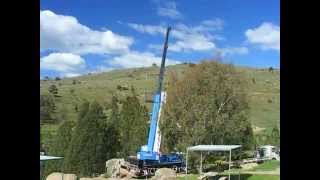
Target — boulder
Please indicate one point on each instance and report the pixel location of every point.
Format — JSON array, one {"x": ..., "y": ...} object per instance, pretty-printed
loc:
[
  {"x": 55, "y": 176},
  {"x": 69, "y": 177},
  {"x": 223, "y": 178},
  {"x": 165, "y": 174},
  {"x": 95, "y": 178},
  {"x": 61, "y": 176},
  {"x": 113, "y": 167}
]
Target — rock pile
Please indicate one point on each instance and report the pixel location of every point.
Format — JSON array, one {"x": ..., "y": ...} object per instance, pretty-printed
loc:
[{"x": 61, "y": 176}]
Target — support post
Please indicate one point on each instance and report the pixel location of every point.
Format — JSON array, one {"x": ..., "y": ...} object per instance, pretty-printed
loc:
[
  {"x": 229, "y": 163},
  {"x": 200, "y": 162},
  {"x": 187, "y": 164}
]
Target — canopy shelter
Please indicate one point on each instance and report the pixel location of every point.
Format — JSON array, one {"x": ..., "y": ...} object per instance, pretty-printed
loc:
[{"x": 211, "y": 148}]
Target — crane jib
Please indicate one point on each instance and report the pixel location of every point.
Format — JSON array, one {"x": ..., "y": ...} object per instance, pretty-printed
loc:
[
  {"x": 157, "y": 98},
  {"x": 164, "y": 54},
  {"x": 151, "y": 150}
]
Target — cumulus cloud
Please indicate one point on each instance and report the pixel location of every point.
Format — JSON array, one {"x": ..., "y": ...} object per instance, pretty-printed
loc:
[
  {"x": 188, "y": 38},
  {"x": 66, "y": 64},
  {"x": 232, "y": 50},
  {"x": 65, "y": 34},
  {"x": 150, "y": 29},
  {"x": 169, "y": 9},
  {"x": 266, "y": 36},
  {"x": 138, "y": 59}
]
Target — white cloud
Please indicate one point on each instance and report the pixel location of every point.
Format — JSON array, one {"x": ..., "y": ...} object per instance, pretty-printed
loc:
[
  {"x": 70, "y": 75},
  {"x": 188, "y": 38},
  {"x": 192, "y": 42},
  {"x": 150, "y": 29},
  {"x": 102, "y": 68},
  {"x": 232, "y": 50},
  {"x": 65, "y": 34},
  {"x": 67, "y": 64},
  {"x": 266, "y": 36},
  {"x": 138, "y": 59},
  {"x": 168, "y": 9}
]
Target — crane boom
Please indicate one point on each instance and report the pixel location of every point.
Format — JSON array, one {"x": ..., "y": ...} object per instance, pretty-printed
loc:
[
  {"x": 151, "y": 150},
  {"x": 149, "y": 158},
  {"x": 164, "y": 55}
]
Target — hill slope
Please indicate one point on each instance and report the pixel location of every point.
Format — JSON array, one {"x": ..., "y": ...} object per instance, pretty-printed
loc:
[{"x": 264, "y": 91}]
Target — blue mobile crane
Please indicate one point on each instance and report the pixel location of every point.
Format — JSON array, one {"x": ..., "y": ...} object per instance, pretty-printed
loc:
[{"x": 149, "y": 158}]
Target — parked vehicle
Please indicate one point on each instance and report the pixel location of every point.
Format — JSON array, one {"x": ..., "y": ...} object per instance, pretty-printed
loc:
[{"x": 268, "y": 152}]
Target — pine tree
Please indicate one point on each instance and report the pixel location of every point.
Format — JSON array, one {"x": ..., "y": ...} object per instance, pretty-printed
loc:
[
  {"x": 47, "y": 107},
  {"x": 112, "y": 136},
  {"x": 86, "y": 154},
  {"x": 59, "y": 147},
  {"x": 134, "y": 124}
]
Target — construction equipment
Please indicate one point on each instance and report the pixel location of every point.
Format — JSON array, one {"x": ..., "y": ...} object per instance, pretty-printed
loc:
[{"x": 149, "y": 158}]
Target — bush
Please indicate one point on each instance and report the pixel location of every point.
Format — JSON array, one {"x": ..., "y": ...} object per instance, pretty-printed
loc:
[
  {"x": 192, "y": 65},
  {"x": 254, "y": 80},
  {"x": 270, "y": 69},
  {"x": 122, "y": 88}
]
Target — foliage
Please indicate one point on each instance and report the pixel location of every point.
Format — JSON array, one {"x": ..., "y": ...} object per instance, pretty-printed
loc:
[
  {"x": 262, "y": 113},
  {"x": 134, "y": 124},
  {"x": 53, "y": 90},
  {"x": 86, "y": 154},
  {"x": 59, "y": 147},
  {"x": 113, "y": 141},
  {"x": 47, "y": 107},
  {"x": 270, "y": 69},
  {"x": 207, "y": 106},
  {"x": 268, "y": 137},
  {"x": 122, "y": 88}
]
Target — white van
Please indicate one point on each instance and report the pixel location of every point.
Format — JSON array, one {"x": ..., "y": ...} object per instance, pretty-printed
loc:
[{"x": 268, "y": 152}]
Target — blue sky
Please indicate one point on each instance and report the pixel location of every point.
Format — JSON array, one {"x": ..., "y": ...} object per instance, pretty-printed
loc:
[{"x": 82, "y": 36}]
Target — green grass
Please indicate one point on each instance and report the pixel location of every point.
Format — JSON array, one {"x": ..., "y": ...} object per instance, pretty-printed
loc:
[
  {"x": 236, "y": 177},
  {"x": 267, "y": 166},
  {"x": 263, "y": 177},
  {"x": 47, "y": 132},
  {"x": 189, "y": 177},
  {"x": 100, "y": 87}
]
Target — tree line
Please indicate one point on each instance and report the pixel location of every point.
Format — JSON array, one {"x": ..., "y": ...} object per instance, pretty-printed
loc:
[{"x": 100, "y": 133}]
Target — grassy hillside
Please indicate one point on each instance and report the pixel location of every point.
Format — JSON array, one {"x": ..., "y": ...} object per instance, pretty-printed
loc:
[{"x": 264, "y": 91}]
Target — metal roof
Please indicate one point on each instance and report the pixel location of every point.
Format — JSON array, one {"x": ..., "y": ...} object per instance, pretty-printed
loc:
[
  {"x": 213, "y": 147},
  {"x": 45, "y": 158}
]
